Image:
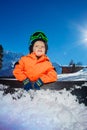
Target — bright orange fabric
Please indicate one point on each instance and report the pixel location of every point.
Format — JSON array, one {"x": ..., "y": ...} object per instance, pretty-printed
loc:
[{"x": 31, "y": 67}]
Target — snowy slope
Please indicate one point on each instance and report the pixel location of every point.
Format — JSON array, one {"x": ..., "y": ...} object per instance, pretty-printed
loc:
[
  {"x": 9, "y": 58},
  {"x": 80, "y": 75}
]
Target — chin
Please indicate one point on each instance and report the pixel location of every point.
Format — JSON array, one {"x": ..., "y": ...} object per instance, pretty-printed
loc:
[{"x": 39, "y": 53}]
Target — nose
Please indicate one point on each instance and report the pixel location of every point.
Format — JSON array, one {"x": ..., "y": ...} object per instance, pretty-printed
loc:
[{"x": 40, "y": 47}]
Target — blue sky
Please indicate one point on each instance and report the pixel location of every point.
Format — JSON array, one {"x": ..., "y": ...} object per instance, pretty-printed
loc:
[{"x": 63, "y": 21}]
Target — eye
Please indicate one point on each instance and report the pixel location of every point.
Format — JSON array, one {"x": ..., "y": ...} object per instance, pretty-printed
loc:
[
  {"x": 36, "y": 45},
  {"x": 42, "y": 46}
]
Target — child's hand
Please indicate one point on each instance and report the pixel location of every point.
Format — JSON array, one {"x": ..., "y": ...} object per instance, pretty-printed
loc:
[
  {"x": 27, "y": 84},
  {"x": 38, "y": 84}
]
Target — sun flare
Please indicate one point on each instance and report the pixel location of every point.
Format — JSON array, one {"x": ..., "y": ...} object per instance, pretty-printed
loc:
[
  {"x": 83, "y": 35},
  {"x": 84, "y": 38}
]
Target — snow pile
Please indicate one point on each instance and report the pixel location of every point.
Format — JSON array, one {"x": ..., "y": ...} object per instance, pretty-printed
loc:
[
  {"x": 42, "y": 110},
  {"x": 77, "y": 76}
]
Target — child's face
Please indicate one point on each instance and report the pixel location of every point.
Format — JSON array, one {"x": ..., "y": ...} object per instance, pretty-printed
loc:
[{"x": 39, "y": 48}]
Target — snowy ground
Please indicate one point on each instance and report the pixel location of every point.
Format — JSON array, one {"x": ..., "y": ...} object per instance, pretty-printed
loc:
[
  {"x": 43, "y": 110},
  {"x": 80, "y": 75}
]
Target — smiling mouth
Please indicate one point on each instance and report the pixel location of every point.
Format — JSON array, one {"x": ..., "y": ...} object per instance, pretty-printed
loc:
[{"x": 39, "y": 50}]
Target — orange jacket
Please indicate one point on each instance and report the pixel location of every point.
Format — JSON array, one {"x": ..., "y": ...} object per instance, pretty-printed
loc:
[{"x": 31, "y": 67}]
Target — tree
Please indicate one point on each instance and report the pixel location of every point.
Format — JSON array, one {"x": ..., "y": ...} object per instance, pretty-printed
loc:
[
  {"x": 71, "y": 63},
  {"x": 79, "y": 63},
  {"x": 1, "y": 56}
]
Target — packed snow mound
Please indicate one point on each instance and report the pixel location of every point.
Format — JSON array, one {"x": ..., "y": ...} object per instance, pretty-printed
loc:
[{"x": 42, "y": 110}]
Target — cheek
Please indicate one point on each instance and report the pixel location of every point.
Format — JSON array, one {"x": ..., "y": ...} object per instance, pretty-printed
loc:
[
  {"x": 44, "y": 50},
  {"x": 34, "y": 49}
]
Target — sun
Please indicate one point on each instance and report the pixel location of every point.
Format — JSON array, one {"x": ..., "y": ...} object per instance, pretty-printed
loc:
[
  {"x": 84, "y": 37},
  {"x": 81, "y": 31}
]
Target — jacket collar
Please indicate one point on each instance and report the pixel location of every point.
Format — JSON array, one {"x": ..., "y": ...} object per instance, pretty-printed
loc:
[{"x": 42, "y": 58}]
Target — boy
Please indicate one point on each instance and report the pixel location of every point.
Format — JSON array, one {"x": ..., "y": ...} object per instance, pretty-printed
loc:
[{"x": 35, "y": 67}]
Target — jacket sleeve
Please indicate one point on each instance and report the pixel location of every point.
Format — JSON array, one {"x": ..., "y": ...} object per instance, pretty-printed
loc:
[
  {"x": 50, "y": 76},
  {"x": 18, "y": 71}
]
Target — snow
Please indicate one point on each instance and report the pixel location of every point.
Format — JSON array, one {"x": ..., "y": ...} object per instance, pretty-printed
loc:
[
  {"x": 46, "y": 110},
  {"x": 77, "y": 76},
  {"x": 43, "y": 109}
]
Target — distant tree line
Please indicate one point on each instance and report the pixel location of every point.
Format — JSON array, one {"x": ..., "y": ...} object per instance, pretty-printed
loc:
[
  {"x": 1, "y": 56},
  {"x": 72, "y": 63}
]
